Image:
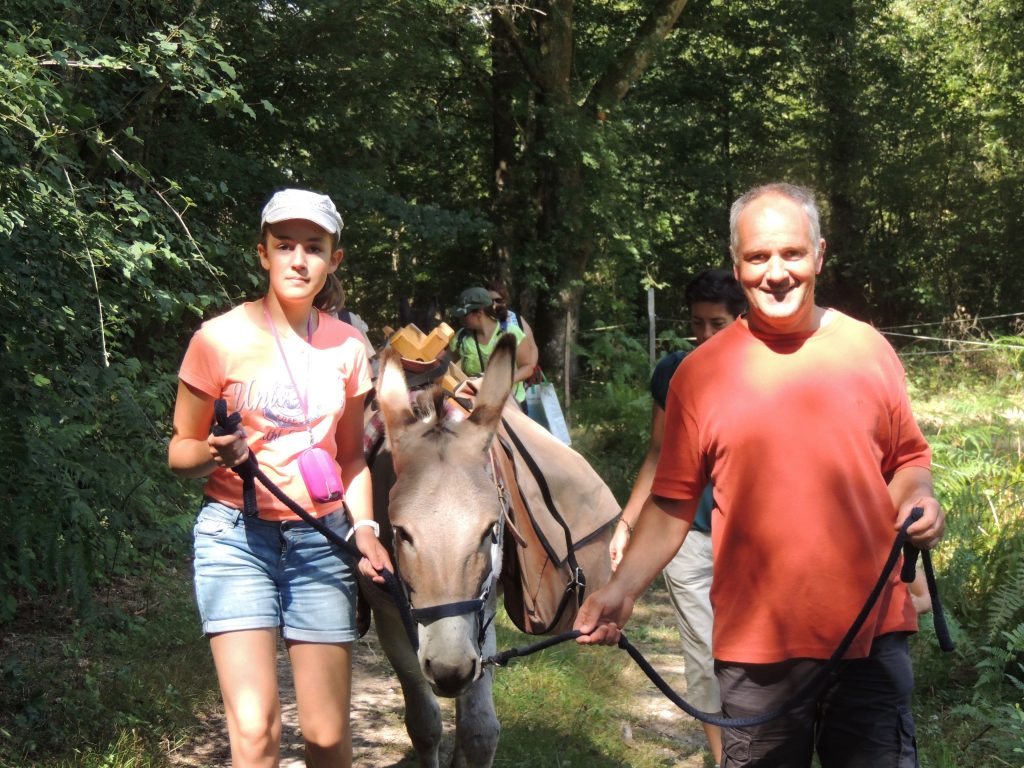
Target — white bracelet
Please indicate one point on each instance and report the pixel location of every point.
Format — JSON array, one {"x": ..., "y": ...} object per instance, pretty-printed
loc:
[{"x": 364, "y": 524}]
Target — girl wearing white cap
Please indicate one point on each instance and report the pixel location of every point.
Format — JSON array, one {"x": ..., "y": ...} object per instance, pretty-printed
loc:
[{"x": 298, "y": 378}]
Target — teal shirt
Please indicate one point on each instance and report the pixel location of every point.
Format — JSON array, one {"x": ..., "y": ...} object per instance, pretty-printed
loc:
[{"x": 660, "y": 379}]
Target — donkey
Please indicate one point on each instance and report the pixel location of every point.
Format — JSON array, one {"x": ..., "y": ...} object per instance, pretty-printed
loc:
[{"x": 441, "y": 512}]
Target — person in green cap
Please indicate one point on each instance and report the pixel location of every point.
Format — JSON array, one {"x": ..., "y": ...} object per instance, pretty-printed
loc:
[{"x": 480, "y": 332}]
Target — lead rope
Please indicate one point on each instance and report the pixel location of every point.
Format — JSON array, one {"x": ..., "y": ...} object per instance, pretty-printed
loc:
[
  {"x": 249, "y": 470},
  {"x": 901, "y": 543}
]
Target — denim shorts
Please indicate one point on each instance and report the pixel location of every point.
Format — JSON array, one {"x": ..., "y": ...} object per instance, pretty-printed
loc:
[{"x": 255, "y": 574}]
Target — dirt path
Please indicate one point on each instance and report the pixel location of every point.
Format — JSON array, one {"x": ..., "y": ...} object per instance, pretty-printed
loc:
[
  {"x": 379, "y": 734},
  {"x": 652, "y": 712}
]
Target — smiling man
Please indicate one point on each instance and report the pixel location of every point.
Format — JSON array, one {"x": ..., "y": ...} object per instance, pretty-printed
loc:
[{"x": 798, "y": 416}]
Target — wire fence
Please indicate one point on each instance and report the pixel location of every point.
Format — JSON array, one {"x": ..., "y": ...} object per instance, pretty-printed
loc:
[{"x": 953, "y": 345}]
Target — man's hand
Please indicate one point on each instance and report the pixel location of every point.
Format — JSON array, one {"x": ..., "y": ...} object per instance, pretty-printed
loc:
[
  {"x": 912, "y": 487},
  {"x": 602, "y": 615},
  {"x": 926, "y": 532}
]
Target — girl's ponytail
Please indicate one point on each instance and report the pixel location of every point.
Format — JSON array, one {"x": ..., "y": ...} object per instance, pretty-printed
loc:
[{"x": 331, "y": 297}]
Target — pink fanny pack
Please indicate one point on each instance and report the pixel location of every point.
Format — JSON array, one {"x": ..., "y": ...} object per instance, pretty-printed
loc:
[{"x": 320, "y": 474}]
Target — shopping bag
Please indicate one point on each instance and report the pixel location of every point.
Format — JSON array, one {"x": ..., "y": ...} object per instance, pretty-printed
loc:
[{"x": 543, "y": 407}]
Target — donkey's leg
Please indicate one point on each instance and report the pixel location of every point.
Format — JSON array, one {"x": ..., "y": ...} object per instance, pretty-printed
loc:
[
  {"x": 476, "y": 724},
  {"x": 422, "y": 712}
]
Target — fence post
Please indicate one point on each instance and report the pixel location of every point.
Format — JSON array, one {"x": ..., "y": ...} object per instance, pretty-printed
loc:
[
  {"x": 652, "y": 330},
  {"x": 567, "y": 363}
]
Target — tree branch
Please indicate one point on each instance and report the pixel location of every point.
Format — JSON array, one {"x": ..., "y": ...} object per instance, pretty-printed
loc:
[
  {"x": 508, "y": 26},
  {"x": 634, "y": 59}
]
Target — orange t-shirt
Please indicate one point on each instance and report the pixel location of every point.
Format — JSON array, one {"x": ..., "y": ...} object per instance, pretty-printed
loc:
[
  {"x": 800, "y": 436},
  {"x": 232, "y": 357}
]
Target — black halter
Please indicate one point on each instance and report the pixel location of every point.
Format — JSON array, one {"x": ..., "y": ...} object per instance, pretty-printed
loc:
[{"x": 478, "y": 605}]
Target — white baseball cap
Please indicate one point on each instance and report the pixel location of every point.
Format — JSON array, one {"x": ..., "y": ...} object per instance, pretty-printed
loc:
[{"x": 302, "y": 204}]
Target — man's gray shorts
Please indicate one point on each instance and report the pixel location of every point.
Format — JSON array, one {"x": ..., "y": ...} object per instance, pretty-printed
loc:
[{"x": 859, "y": 719}]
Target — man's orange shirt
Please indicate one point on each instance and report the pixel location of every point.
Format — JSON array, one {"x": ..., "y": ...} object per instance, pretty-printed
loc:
[
  {"x": 799, "y": 436},
  {"x": 233, "y": 358}
]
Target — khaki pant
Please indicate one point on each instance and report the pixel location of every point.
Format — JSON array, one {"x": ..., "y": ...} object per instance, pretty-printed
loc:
[{"x": 688, "y": 578}]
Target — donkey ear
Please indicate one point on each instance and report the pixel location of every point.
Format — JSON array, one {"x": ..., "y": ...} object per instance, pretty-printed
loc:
[
  {"x": 393, "y": 396},
  {"x": 496, "y": 384}
]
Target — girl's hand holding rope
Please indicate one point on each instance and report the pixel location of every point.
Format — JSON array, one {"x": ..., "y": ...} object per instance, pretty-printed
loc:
[
  {"x": 228, "y": 450},
  {"x": 375, "y": 556}
]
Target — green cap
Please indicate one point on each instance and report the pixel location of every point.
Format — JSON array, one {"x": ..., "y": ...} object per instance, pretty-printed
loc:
[{"x": 472, "y": 299}]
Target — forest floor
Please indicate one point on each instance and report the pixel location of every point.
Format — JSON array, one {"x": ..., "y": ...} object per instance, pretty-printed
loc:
[{"x": 379, "y": 738}]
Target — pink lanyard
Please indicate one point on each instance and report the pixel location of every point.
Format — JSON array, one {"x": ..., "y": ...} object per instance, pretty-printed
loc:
[{"x": 284, "y": 357}]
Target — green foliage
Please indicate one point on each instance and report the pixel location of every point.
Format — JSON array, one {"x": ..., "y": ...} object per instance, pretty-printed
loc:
[
  {"x": 968, "y": 405},
  {"x": 111, "y": 691},
  {"x": 95, "y": 269},
  {"x": 139, "y": 139},
  {"x": 615, "y": 412}
]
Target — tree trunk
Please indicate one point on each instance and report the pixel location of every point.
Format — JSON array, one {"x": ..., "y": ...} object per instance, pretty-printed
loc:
[
  {"x": 845, "y": 260},
  {"x": 561, "y": 234},
  {"x": 504, "y": 78}
]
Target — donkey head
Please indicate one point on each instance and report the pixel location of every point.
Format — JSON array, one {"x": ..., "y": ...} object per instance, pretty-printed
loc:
[{"x": 445, "y": 511}]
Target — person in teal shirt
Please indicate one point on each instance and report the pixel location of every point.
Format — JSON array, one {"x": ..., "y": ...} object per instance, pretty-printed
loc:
[
  {"x": 715, "y": 299},
  {"x": 480, "y": 331}
]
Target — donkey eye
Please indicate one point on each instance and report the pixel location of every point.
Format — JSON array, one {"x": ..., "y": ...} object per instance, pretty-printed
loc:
[
  {"x": 402, "y": 535},
  {"x": 490, "y": 535}
]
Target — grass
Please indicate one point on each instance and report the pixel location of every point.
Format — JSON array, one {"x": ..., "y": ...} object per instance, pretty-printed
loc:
[{"x": 571, "y": 706}]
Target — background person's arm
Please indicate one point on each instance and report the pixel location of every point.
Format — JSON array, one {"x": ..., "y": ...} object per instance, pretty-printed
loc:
[
  {"x": 641, "y": 488},
  {"x": 659, "y": 532},
  {"x": 527, "y": 355}
]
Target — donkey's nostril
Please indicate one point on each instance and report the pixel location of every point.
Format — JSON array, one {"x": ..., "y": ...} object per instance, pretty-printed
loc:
[{"x": 450, "y": 679}]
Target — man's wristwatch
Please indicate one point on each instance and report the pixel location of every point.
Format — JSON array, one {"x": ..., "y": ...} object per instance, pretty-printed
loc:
[{"x": 365, "y": 524}]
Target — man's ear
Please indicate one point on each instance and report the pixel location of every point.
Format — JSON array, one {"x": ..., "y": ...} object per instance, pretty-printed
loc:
[{"x": 820, "y": 258}]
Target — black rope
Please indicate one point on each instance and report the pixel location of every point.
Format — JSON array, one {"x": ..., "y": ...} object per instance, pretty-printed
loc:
[
  {"x": 249, "y": 470},
  {"x": 901, "y": 543},
  {"x": 907, "y": 574}
]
